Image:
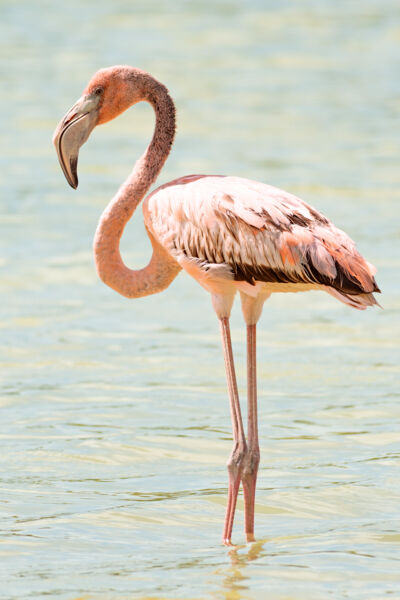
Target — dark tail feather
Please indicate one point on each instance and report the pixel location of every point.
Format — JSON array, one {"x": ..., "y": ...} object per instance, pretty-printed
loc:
[{"x": 358, "y": 301}]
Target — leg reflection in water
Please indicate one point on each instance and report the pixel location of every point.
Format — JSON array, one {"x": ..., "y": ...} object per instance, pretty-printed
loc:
[{"x": 234, "y": 577}]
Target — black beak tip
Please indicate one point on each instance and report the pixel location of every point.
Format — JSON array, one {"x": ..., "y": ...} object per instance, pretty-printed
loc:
[{"x": 73, "y": 180}]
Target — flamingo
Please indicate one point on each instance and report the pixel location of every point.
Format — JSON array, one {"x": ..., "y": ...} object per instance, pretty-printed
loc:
[{"x": 231, "y": 234}]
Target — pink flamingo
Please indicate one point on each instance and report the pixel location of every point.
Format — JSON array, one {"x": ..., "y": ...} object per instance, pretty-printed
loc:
[{"x": 229, "y": 233}]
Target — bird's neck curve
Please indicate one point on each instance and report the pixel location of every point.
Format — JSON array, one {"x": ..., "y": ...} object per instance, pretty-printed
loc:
[{"x": 162, "y": 269}]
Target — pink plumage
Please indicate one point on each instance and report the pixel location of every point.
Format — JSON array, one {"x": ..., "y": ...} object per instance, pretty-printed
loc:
[
  {"x": 229, "y": 233},
  {"x": 252, "y": 235}
]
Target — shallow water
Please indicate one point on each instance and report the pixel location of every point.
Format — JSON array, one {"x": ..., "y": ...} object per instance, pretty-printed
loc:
[{"x": 114, "y": 416}]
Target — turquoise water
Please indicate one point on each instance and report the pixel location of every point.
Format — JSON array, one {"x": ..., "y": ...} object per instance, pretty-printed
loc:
[{"x": 114, "y": 414}]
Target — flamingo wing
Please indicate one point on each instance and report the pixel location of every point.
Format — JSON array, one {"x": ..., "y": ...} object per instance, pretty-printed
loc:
[{"x": 253, "y": 232}]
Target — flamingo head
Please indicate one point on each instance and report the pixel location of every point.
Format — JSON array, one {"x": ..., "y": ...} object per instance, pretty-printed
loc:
[{"x": 109, "y": 92}]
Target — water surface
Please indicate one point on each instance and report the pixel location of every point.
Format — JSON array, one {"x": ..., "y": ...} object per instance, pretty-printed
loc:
[{"x": 114, "y": 415}]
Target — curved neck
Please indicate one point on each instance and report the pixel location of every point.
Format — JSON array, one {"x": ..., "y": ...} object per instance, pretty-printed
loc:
[{"x": 162, "y": 268}]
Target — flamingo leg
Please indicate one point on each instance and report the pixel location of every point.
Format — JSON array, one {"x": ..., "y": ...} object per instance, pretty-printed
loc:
[
  {"x": 252, "y": 459},
  {"x": 235, "y": 461}
]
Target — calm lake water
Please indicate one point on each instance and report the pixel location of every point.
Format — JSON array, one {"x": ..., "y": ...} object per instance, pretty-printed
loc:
[{"x": 115, "y": 424}]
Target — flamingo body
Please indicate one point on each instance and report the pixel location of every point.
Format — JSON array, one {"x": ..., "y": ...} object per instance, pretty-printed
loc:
[{"x": 232, "y": 233}]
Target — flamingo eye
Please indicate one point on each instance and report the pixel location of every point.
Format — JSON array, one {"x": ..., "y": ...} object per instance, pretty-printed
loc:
[{"x": 98, "y": 91}]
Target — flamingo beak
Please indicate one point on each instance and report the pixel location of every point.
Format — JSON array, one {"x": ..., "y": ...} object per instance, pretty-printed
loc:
[{"x": 72, "y": 132}]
